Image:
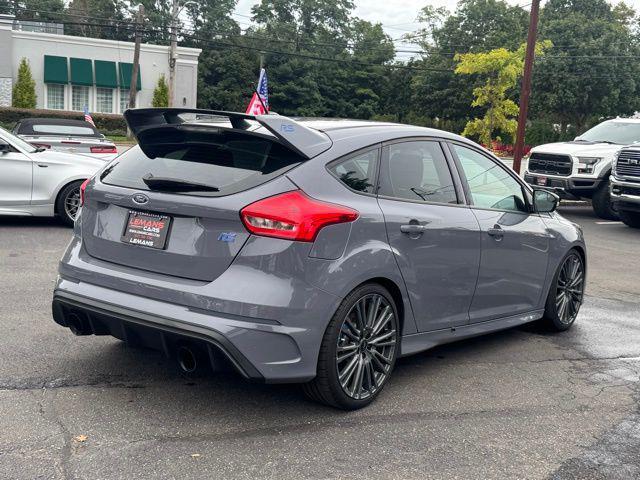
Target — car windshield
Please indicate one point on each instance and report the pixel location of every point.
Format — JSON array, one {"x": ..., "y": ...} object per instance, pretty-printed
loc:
[
  {"x": 16, "y": 142},
  {"x": 623, "y": 133}
]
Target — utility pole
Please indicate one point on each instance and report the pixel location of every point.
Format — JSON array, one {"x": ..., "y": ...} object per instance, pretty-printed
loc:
[
  {"x": 133, "y": 90},
  {"x": 175, "y": 11},
  {"x": 525, "y": 92}
]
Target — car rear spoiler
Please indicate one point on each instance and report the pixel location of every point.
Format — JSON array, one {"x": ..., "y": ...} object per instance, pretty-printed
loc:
[{"x": 303, "y": 140}]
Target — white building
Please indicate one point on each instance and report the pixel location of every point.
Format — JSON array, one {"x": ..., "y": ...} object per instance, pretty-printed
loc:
[{"x": 71, "y": 72}]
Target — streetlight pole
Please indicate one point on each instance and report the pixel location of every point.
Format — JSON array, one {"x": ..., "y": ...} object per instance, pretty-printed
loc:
[
  {"x": 133, "y": 85},
  {"x": 175, "y": 11},
  {"x": 176, "y": 8},
  {"x": 525, "y": 92}
]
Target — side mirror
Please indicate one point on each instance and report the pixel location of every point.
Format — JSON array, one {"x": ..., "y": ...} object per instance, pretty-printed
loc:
[
  {"x": 4, "y": 148},
  {"x": 544, "y": 201}
]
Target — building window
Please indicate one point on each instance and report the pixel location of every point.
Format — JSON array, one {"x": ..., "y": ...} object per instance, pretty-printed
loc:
[
  {"x": 124, "y": 100},
  {"x": 55, "y": 96},
  {"x": 79, "y": 97},
  {"x": 104, "y": 100}
]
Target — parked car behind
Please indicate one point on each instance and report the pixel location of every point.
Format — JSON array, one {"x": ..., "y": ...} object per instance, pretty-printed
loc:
[
  {"x": 581, "y": 168},
  {"x": 66, "y": 135},
  {"x": 625, "y": 186},
  {"x": 35, "y": 181},
  {"x": 312, "y": 251}
]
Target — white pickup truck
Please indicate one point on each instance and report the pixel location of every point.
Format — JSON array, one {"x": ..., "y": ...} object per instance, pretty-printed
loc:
[{"x": 581, "y": 168}]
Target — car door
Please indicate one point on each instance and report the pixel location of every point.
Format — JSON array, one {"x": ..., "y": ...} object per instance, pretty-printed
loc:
[
  {"x": 515, "y": 241},
  {"x": 16, "y": 176},
  {"x": 435, "y": 237}
]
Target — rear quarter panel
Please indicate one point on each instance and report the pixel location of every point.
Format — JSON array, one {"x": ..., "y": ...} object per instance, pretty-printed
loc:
[{"x": 367, "y": 254}]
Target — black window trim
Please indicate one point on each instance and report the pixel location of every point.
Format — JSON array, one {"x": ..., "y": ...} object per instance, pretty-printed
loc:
[
  {"x": 376, "y": 180},
  {"x": 460, "y": 199},
  {"x": 526, "y": 189}
]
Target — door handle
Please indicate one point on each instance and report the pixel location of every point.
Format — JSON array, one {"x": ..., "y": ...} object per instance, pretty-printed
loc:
[
  {"x": 496, "y": 232},
  {"x": 43, "y": 165},
  {"x": 413, "y": 229}
]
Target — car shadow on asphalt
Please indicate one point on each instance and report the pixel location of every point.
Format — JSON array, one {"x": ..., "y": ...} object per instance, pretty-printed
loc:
[
  {"x": 29, "y": 222},
  {"x": 151, "y": 374}
]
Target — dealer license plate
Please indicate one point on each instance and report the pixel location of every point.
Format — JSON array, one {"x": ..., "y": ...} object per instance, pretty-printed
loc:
[{"x": 146, "y": 229}]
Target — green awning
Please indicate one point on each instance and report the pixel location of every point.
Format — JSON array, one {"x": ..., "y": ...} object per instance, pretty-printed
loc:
[
  {"x": 125, "y": 76},
  {"x": 106, "y": 76},
  {"x": 55, "y": 69},
  {"x": 81, "y": 71}
]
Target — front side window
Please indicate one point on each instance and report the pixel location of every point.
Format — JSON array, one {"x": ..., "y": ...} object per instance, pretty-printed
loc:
[
  {"x": 357, "y": 173},
  {"x": 417, "y": 171},
  {"x": 79, "y": 97},
  {"x": 55, "y": 96},
  {"x": 490, "y": 185},
  {"x": 104, "y": 100}
]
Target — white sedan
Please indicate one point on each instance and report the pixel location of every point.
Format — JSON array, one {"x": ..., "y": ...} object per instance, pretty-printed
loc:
[{"x": 38, "y": 182}]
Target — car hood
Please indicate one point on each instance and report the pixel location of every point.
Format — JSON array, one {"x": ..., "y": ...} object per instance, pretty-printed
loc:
[
  {"x": 579, "y": 149},
  {"x": 69, "y": 158}
]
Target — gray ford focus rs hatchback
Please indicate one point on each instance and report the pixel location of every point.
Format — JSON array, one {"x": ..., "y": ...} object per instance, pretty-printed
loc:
[{"x": 311, "y": 251}]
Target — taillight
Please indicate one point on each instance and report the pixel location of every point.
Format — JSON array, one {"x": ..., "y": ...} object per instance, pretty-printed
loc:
[
  {"x": 82, "y": 189},
  {"x": 104, "y": 149},
  {"x": 293, "y": 216}
]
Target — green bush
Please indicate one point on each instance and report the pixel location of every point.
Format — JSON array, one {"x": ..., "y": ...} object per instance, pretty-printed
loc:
[
  {"x": 107, "y": 124},
  {"x": 161, "y": 93},
  {"x": 24, "y": 91}
]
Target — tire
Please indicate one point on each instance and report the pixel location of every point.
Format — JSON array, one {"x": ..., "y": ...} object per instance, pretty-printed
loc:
[
  {"x": 601, "y": 202},
  {"x": 70, "y": 193},
  {"x": 630, "y": 219},
  {"x": 555, "y": 317},
  {"x": 370, "y": 371}
]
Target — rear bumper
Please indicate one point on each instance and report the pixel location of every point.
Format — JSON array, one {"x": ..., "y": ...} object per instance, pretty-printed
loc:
[
  {"x": 91, "y": 317},
  {"x": 264, "y": 351},
  {"x": 566, "y": 187}
]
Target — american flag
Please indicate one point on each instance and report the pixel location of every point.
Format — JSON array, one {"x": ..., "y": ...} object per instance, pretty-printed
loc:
[
  {"x": 87, "y": 116},
  {"x": 255, "y": 106}
]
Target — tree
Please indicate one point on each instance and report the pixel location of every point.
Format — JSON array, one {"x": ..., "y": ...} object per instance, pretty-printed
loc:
[
  {"x": 98, "y": 19},
  {"x": 475, "y": 26},
  {"x": 24, "y": 91},
  {"x": 594, "y": 70},
  {"x": 160, "y": 93},
  {"x": 38, "y": 10},
  {"x": 502, "y": 69}
]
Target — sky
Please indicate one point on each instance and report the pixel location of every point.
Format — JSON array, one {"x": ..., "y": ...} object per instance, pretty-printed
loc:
[{"x": 397, "y": 16}]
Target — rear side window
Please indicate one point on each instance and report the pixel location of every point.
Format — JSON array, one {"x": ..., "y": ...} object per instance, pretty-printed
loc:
[
  {"x": 64, "y": 130},
  {"x": 358, "y": 173},
  {"x": 224, "y": 163},
  {"x": 417, "y": 171}
]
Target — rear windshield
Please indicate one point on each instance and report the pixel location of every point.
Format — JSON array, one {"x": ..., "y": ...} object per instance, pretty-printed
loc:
[
  {"x": 64, "y": 130},
  {"x": 225, "y": 163}
]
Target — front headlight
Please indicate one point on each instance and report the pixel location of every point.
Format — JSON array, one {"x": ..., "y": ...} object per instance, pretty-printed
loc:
[{"x": 587, "y": 164}]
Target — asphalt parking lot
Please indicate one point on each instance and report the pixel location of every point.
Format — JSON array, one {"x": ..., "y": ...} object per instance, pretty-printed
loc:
[{"x": 517, "y": 404}]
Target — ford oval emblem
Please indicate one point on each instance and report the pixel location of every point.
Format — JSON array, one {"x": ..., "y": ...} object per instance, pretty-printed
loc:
[{"x": 140, "y": 198}]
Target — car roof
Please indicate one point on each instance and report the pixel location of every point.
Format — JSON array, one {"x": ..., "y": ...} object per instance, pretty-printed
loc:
[
  {"x": 624, "y": 120},
  {"x": 343, "y": 128}
]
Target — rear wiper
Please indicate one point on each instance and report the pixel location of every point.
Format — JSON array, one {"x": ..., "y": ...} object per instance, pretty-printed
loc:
[{"x": 176, "y": 185}]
